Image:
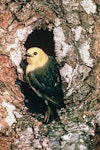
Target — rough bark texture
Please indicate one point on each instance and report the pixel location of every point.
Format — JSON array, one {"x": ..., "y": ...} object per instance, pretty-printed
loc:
[{"x": 75, "y": 27}]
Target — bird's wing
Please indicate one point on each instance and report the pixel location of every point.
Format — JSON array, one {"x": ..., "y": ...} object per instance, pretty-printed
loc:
[
  {"x": 38, "y": 88},
  {"x": 46, "y": 82}
]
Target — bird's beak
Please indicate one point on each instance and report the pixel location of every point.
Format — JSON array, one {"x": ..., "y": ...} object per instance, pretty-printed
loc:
[{"x": 27, "y": 55}]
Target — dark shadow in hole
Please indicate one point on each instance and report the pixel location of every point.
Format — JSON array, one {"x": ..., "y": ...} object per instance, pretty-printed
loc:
[
  {"x": 35, "y": 104},
  {"x": 42, "y": 39},
  {"x": 32, "y": 101}
]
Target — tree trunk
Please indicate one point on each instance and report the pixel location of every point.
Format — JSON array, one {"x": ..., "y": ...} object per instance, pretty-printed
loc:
[{"x": 70, "y": 31}]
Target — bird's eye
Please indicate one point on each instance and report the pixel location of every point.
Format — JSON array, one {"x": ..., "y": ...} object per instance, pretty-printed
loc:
[{"x": 35, "y": 53}]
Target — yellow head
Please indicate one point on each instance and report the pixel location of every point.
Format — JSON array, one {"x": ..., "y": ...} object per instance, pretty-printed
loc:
[{"x": 36, "y": 58}]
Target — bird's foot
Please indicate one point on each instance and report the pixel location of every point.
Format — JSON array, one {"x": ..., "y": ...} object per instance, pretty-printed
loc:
[{"x": 47, "y": 115}]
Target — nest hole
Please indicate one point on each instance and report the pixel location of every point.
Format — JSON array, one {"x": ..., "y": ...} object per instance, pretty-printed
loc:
[{"x": 42, "y": 39}]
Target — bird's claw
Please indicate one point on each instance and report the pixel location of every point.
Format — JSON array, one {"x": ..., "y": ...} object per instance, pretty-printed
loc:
[{"x": 47, "y": 115}]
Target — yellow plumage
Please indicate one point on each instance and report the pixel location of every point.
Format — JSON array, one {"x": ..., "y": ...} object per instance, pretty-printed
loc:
[{"x": 36, "y": 58}]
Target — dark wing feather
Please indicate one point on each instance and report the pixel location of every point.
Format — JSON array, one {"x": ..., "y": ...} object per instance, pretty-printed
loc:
[{"x": 46, "y": 82}]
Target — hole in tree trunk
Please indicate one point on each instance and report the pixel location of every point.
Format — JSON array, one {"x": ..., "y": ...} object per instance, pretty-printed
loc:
[{"x": 42, "y": 39}]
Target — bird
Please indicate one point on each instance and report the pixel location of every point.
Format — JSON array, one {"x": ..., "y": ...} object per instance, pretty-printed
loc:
[{"x": 43, "y": 76}]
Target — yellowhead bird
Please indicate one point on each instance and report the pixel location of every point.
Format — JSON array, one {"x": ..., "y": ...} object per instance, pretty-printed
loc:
[{"x": 43, "y": 76}]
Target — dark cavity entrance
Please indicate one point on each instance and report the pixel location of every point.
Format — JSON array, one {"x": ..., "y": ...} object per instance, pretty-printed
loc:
[{"x": 42, "y": 39}]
